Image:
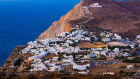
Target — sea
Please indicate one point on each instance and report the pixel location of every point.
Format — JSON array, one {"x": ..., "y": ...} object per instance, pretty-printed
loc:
[{"x": 22, "y": 21}]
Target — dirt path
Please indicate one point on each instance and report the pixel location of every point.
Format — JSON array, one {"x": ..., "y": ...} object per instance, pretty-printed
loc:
[{"x": 86, "y": 12}]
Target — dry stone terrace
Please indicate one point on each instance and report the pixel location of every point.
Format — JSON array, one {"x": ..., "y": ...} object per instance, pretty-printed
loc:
[{"x": 78, "y": 49}]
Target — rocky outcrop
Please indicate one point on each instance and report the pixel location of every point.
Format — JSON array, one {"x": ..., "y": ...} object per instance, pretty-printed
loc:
[
  {"x": 63, "y": 24},
  {"x": 16, "y": 62},
  {"x": 12, "y": 58},
  {"x": 15, "y": 52}
]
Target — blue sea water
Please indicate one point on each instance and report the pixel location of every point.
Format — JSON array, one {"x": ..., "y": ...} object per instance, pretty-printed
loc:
[{"x": 24, "y": 20}]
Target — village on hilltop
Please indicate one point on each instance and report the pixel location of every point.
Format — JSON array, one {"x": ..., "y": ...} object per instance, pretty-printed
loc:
[
  {"x": 79, "y": 51},
  {"x": 97, "y": 39}
]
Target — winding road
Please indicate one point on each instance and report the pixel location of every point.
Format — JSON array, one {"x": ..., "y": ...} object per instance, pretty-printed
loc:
[{"x": 86, "y": 12}]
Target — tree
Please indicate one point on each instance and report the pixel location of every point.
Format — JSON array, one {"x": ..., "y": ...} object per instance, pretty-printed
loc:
[
  {"x": 121, "y": 72},
  {"x": 59, "y": 59},
  {"x": 74, "y": 55},
  {"x": 66, "y": 34},
  {"x": 18, "y": 62},
  {"x": 86, "y": 27},
  {"x": 92, "y": 39},
  {"x": 109, "y": 47},
  {"x": 72, "y": 30}
]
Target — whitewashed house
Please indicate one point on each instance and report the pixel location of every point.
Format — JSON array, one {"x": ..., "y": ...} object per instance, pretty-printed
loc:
[
  {"x": 55, "y": 58},
  {"x": 95, "y": 5},
  {"x": 84, "y": 72},
  {"x": 52, "y": 69},
  {"x": 116, "y": 50},
  {"x": 106, "y": 39},
  {"x": 138, "y": 36},
  {"x": 130, "y": 66}
]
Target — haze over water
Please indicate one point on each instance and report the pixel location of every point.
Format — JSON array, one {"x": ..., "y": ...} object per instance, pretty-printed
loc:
[{"x": 22, "y": 21}]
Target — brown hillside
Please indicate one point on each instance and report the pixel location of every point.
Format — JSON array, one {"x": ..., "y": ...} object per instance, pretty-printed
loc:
[{"x": 122, "y": 17}]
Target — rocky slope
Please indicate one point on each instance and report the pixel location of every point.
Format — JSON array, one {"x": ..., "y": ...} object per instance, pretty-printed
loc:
[
  {"x": 15, "y": 57},
  {"x": 118, "y": 16},
  {"x": 17, "y": 62},
  {"x": 63, "y": 24}
]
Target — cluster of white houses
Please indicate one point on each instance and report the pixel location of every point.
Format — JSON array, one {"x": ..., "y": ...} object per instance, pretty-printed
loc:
[
  {"x": 64, "y": 45},
  {"x": 95, "y": 5}
]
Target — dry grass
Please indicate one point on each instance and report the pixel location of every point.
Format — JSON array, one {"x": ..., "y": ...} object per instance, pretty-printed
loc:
[
  {"x": 91, "y": 45},
  {"x": 51, "y": 56},
  {"x": 112, "y": 68},
  {"x": 27, "y": 55}
]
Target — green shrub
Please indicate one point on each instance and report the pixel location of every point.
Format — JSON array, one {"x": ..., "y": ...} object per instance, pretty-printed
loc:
[
  {"x": 18, "y": 62},
  {"x": 72, "y": 30},
  {"x": 8, "y": 61},
  {"x": 122, "y": 67},
  {"x": 122, "y": 72},
  {"x": 27, "y": 68}
]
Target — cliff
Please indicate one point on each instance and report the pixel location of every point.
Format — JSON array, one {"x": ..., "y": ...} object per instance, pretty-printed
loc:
[
  {"x": 63, "y": 25},
  {"x": 17, "y": 62},
  {"x": 117, "y": 16},
  {"x": 15, "y": 55}
]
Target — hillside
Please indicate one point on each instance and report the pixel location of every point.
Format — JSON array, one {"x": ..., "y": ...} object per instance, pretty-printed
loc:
[
  {"x": 91, "y": 39},
  {"x": 63, "y": 25},
  {"x": 118, "y": 16}
]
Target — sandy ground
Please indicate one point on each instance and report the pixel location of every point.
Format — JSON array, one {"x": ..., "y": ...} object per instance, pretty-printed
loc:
[{"x": 115, "y": 43}]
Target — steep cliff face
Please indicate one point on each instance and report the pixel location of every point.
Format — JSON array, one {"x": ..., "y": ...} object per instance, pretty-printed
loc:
[
  {"x": 118, "y": 16},
  {"x": 63, "y": 25}
]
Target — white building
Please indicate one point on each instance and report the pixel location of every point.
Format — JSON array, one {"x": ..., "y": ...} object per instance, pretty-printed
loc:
[
  {"x": 108, "y": 73},
  {"x": 52, "y": 69},
  {"x": 129, "y": 66},
  {"x": 116, "y": 50},
  {"x": 84, "y": 72},
  {"x": 138, "y": 36},
  {"x": 63, "y": 34},
  {"x": 55, "y": 58},
  {"x": 117, "y": 37},
  {"x": 95, "y": 5},
  {"x": 80, "y": 67},
  {"x": 106, "y": 39}
]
